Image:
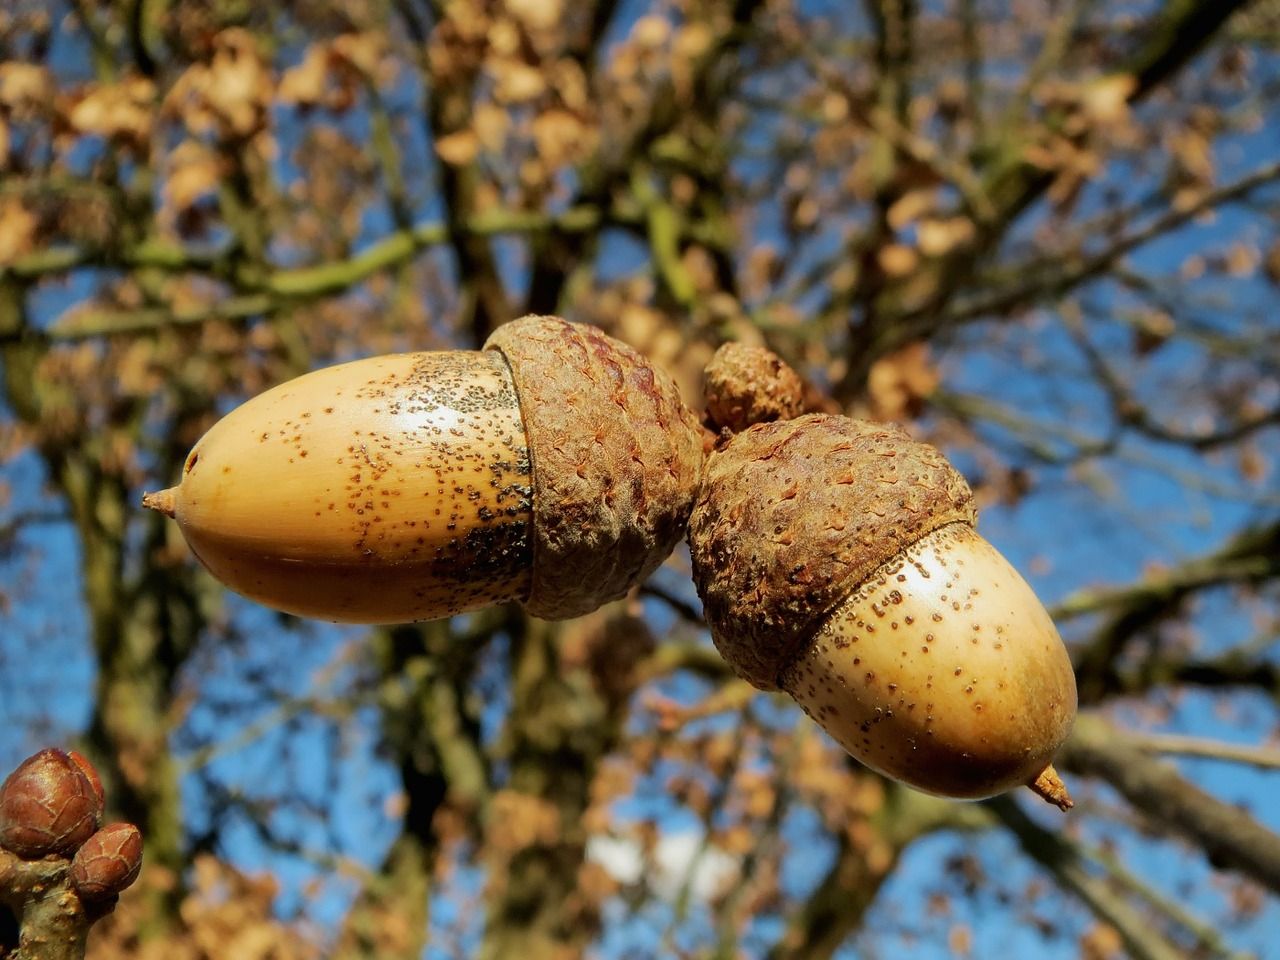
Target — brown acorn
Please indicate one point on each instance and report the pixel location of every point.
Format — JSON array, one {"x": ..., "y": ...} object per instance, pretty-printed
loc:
[
  {"x": 556, "y": 467},
  {"x": 48, "y": 806},
  {"x": 108, "y": 862},
  {"x": 837, "y": 560},
  {"x": 745, "y": 385}
]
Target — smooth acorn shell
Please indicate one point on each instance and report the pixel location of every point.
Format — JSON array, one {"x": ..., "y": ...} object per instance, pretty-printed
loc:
[
  {"x": 942, "y": 670},
  {"x": 385, "y": 490}
]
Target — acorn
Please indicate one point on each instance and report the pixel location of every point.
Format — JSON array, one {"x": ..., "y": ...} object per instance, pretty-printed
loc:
[
  {"x": 48, "y": 806},
  {"x": 556, "y": 467},
  {"x": 837, "y": 560},
  {"x": 108, "y": 862},
  {"x": 746, "y": 384}
]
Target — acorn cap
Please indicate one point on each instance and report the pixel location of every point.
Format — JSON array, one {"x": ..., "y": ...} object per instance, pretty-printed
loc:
[
  {"x": 747, "y": 384},
  {"x": 794, "y": 515},
  {"x": 616, "y": 461}
]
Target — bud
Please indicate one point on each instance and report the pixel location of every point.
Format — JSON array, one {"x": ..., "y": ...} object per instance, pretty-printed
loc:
[
  {"x": 91, "y": 774},
  {"x": 48, "y": 805},
  {"x": 108, "y": 862}
]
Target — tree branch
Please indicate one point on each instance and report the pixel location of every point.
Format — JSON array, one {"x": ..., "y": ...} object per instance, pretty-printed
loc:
[
  {"x": 918, "y": 306},
  {"x": 1066, "y": 862},
  {"x": 1267, "y": 758},
  {"x": 1053, "y": 276},
  {"x": 1251, "y": 557},
  {"x": 838, "y": 905},
  {"x": 52, "y": 920},
  {"x": 1229, "y": 837}
]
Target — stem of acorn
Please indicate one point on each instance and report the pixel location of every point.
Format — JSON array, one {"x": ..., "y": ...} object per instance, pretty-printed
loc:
[
  {"x": 1050, "y": 786},
  {"x": 162, "y": 501}
]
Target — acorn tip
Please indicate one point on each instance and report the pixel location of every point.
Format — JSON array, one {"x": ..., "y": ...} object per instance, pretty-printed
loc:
[
  {"x": 164, "y": 501},
  {"x": 1048, "y": 784}
]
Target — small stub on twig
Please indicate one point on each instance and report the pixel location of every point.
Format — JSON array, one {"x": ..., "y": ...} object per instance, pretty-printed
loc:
[
  {"x": 161, "y": 500},
  {"x": 1050, "y": 786}
]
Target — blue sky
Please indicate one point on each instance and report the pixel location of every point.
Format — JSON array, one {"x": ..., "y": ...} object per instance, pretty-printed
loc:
[{"x": 1065, "y": 536}]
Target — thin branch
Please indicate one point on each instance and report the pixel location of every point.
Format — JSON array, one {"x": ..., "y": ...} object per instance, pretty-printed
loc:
[
  {"x": 919, "y": 307},
  {"x": 11, "y": 527},
  {"x": 1133, "y": 414},
  {"x": 53, "y": 922},
  {"x": 712, "y": 812},
  {"x": 1053, "y": 51},
  {"x": 1249, "y": 557},
  {"x": 1176, "y": 35},
  {"x": 1035, "y": 436},
  {"x": 84, "y": 324},
  {"x": 1267, "y": 758},
  {"x": 975, "y": 84},
  {"x": 697, "y": 658},
  {"x": 1230, "y": 837},
  {"x": 1206, "y": 934},
  {"x": 838, "y": 904},
  {"x": 690, "y": 612},
  {"x": 277, "y": 717},
  {"x": 1063, "y": 273},
  {"x": 733, "y": 907},
  {"x": 278, "y": 287},
  {"x": 1067, "y": 863},
  {"x": 153, "y": 253}
]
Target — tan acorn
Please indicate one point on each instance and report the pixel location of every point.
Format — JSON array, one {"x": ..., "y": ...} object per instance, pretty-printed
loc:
[
  {"x": 48, "y": 805},
  {"x": 108, "y": 862},
  {"x": 837, "y": 560},
  {"x": 556, "y": 467}
]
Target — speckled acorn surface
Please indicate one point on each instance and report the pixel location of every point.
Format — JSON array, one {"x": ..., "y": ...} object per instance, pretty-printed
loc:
[
  {"x": 48, "y": 806},
  {"x": 108, "y": 862},
  {"x": 837, "y": 560},
  {"x": 556, "y": 467}
]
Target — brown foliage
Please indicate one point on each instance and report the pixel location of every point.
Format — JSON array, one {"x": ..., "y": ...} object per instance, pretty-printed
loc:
[
  {"x": 994, "y": 226},
  {"x": 226, "y": 914}
]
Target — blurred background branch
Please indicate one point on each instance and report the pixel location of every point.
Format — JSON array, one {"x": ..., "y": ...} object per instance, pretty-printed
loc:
[{"x": 1042, "y": 236}]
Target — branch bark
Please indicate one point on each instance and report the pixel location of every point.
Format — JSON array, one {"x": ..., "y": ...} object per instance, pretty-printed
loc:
[
  {"x": 917, "y": 307},
  {"x": 1230, "y": 837},
  {"x": 1252, "y": 556},
  {"x": 53, "y": 923},
  {"x": 1067, "y": 866}
]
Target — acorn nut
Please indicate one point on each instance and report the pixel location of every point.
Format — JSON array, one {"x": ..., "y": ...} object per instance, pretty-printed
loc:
[
  {"x": 556, "y": 467},
  {"x": 48, "y": 805},
  {"x": 747, "y": 384},
  {"x": 837, "y": 560},
  {"x": 108, "y": 863}
]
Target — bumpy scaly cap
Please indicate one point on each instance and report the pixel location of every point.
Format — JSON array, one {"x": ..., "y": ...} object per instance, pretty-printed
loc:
[
  {"x": 616, "y": 461},
  {"x": 746, "y": 385},
  {"x": 795, "y": 514}
]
